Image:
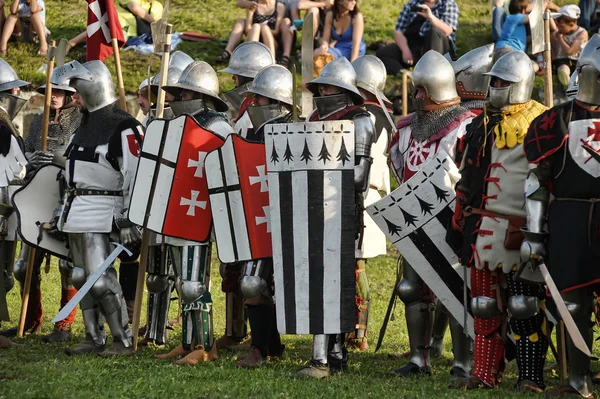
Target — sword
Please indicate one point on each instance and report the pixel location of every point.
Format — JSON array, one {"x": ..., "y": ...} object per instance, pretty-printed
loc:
[
  {"x": 563, "y": 311},
  {"x": 391, "y": 306},
  {"x": 91, "y": 280}
]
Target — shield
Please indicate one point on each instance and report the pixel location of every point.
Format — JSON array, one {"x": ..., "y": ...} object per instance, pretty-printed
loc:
[
  {"x": 584, "y": 143},
  {"x": 414, "y": 217},
  {"x": 311, "y": 195},
  {"x": 243, "y": 126},
  {"x": 174, "y": 150},
  {"x": 35, "y": 204},
  {"x": 239, "y": 198}
]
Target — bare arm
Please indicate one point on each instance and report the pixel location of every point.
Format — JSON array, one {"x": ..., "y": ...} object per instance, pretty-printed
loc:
[
  {"x": 435, "y": 21},
  {"x": 326, "y": 35},
  {"x": 280, "y": 15},
  {"x": 306, "y": 4},
  {"x": 246, "y": 4},
  {"x": 249, "y": 15},
  {"x": 357, "y": 35},
  {"x": 575, "y": 47},
  {"x": 14, "y": 7},
  {"x": 139, "y": 11}
]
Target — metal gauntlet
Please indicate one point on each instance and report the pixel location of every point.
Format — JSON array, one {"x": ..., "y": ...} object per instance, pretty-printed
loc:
[{"x": 364, "y": 133}]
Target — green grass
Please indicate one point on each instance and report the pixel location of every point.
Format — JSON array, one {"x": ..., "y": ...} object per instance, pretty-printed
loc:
[{"x": 40, "y": 370}]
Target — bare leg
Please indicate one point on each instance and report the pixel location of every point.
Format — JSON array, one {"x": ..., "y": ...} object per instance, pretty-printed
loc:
[
  {"x": 77, "y": 40},
  {"x": 287, "y": 37},
  {"x": 2, "y": 17},
  {"x": 267, "y": 38},
  {"x": 254, "y": 34},
  {"x": 40, "y": 29},
  {"x": 235, "y": 37},
  {"x": 9, "y": 27},
  {"x": 315, "y": 12}
]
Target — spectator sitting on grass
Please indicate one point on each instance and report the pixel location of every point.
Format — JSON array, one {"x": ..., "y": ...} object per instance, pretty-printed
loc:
[
  {"x": 135, "y": 17},
  {"x": 422, "y": 25},
  {"x": 568, "y": 39},
  {"x": 318, "y": 9},
  {"x": 25, "y": 14},
  {"x": 265, "y": 24},
  {"x": 343, "y": 32}
]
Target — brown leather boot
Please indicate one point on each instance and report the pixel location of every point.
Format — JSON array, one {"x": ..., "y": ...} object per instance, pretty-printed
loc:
[
  {"x": 6, "y": 343},
  {"x": 231, "y": 344},
  {"x": 61, "y": 333},
  {"x": 87, "y": 346},
  {"x": 117, "y": 349},
  {"x": 199, "y": 355},
  {"x": 252, "y": 360},
  {"x": 175, "y": 353}
]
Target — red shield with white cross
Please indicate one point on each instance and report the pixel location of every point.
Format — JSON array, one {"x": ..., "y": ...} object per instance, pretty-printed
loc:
[
  {"x": 170, "y": 194},
  {"x": 584, "y": 144},
  {"x": 239, "y": 197}
]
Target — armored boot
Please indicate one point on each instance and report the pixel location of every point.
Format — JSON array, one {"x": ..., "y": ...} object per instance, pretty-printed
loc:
[
  {"x": 61, "y": 333},
  {"x": 318, "y": 367},
  {"x": 114, "y": 309},
  {"x": 441, "y": 320},
  {"x": 461, "y": 348},
  {"x": 95, "y": 339}
]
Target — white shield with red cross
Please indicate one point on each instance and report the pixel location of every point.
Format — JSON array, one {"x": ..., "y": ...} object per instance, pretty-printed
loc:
[
  {"x": 170, "y": 194},
  {"x": 584, "y": 144},
  {"x": 239, "y": 199}
]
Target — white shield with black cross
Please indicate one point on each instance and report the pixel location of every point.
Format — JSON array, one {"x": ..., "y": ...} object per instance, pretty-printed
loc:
[
  {"x": 415, "y": 217},
  {"x": 311, "y": 195}
]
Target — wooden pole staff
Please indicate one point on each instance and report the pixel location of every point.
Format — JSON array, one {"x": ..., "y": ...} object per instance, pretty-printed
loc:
[
  {"x": 117, "y": 55},
  {"x": 164, "y": 68},
  {"x": 548, "y": 91},
  {"x": 404, "y": 92},
  {"x": 43, "y": 146}
]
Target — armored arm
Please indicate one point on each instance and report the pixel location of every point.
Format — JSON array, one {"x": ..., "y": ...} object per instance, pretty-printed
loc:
[
  {"x": 537, "y": 196},
  {"x": 364, "y": 133}
]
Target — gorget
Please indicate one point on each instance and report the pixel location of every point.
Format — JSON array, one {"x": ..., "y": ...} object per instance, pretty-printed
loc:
[
  {"x": 62, "y": 125},
  {"x": 329, "y": 105},
  {"x": 473, "y": 104},
  {"x": 207, "y": 116},
  {"x": 425, "y": 124},
  {"x": 99, "y": 126}
]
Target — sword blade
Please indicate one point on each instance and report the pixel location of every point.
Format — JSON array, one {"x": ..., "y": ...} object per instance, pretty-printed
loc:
[
  {"x": 388, "y": 313},
  {"x": 91, "y": 280},
  {"x": 564, "y": 312}
]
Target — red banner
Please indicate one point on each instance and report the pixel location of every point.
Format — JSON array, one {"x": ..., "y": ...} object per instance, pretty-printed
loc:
[{"x": 103, "y": 25}]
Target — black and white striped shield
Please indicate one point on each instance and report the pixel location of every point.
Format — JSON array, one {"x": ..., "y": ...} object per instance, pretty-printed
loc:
[
  {"x": 415, "y": 217},
  {"x": 311, "y": 193}
]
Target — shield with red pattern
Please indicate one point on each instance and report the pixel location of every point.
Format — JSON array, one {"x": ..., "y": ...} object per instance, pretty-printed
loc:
[
  {"x": 239, "y": 198},
  {"x": 170, "y": 194},
  {"x": 584, "y": 144}
]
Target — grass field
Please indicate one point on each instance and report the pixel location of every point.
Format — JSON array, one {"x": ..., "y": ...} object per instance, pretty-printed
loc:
[{"x": 39, "y": 370}]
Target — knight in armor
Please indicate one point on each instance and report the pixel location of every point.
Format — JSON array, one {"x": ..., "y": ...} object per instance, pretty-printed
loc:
[
  {"x": 271, "y": 91},
  {"x": 562, "y": 148},
  {"x": 489, "y": 214},
  {"x": 246, "y": 60},
  {"x": 13, "y": 167},
  {"x": 160, "y": 280},
  {"x": 472, "y": 86},
  {"x": 145, "y": 101},
  {"x": 438, "y": 123},
  {"x": 65, "y": 118},
  {"x": 198, "y": 89},
  {"x": 336, "y": 97},
  {"x": 100, "y": 169},
  {"x": 370, "y": 81}
]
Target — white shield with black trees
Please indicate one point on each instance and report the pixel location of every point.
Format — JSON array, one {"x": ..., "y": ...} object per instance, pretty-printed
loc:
[{"x": 311, "y": 194}]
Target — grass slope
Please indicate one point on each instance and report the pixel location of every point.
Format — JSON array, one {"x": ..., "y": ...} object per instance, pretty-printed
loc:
[{"x": 40, "y": 370}]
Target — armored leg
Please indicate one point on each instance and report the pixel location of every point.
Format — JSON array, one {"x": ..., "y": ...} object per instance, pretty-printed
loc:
[
  {"x": 580, "y": 305},
  {"x": 7, "y": 256},
  {"x": 461, "y": 349},
  {"x": 235, "y": 313},
  {"x": 193, "y": 264},
  {"x": 485, "y": 304},
  {"x": 358, "y": 338},
  {"x": 529, "y": 327},
  {"x": 419, "y": 319},
  {"x": 255, "y": 285},
  {"x": 62, "y": 329},
  {"x": 128, "y": 271},
  {"x": 89, "y": 251},
  {"x": 160, "y": 283},
  {"x": 441, "y": 320}
]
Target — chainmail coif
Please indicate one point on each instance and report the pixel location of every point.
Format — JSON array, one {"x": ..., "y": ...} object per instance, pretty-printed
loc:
[{"x": 425, "y": 124}]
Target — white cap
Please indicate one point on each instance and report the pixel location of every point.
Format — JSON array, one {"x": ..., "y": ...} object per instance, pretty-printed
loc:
[{"x": 570, "y": 10}]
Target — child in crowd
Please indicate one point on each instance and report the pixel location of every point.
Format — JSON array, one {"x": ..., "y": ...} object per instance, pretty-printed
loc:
[
  {"x": 568, "y": 39},
  {"x": 28, "y": 19}
]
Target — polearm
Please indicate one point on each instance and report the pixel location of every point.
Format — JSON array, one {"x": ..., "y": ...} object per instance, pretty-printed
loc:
[
  {"x": 43, "y": 146},
  {"x": 161, "y": 35},
  {"x": 548, "y": 89},
  {"x": 117, "y": 57}
]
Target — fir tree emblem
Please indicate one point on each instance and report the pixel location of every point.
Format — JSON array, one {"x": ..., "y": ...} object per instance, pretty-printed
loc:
[
  {"x": 393, "y": 229},
  {"x": 324, "y": 154},
  {"x": 343, "y": 155},
  {"x": 274, "y": 155},
  {"x": 426, "y": 207},
  {"x": 409, "y": 219},
  {"x": 287, "y": 155},
  {"x": 306, "y": 155}
]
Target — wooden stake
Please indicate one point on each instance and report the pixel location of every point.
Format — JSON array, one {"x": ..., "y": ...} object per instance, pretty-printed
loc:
[
  {"x": 139, "y": 288},
  {"x": 164, "y": 68},
  {"x": 47, "y": 99},
  {"x": 548, "y": 90},
  {"x": 561, "y": 339},
  {"x": 26, "y": 290},
  {"x": 120, "y": 85},
  {"x": 404, "y": 93}
]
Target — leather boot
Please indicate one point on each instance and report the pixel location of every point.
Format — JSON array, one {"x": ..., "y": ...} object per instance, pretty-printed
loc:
[{"x": 87, "y": 346}]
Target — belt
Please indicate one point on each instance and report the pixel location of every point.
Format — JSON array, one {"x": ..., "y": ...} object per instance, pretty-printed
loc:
[
  {"x": 592, "y": 202},
  {"x": 469, "y": 210},
  {"x": 81, "y": 192}
]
